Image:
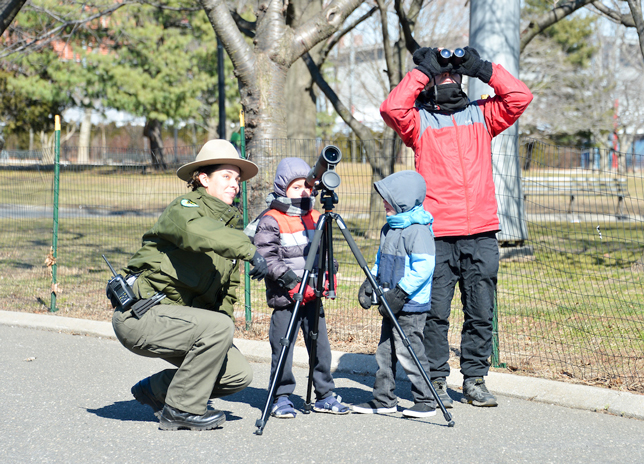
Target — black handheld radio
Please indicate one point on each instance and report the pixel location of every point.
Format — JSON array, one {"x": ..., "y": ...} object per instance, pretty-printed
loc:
[{"x": 119, "y": 288}]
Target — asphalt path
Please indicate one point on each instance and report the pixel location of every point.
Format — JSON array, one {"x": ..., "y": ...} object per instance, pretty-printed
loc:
[{"x": 66, "y": 398}]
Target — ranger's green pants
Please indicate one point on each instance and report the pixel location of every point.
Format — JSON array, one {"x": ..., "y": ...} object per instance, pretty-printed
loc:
[{"x": 199, "y": 342}]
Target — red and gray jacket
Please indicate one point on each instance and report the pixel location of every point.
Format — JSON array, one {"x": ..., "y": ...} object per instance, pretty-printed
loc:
[
  {"x": 453, "y": 151},
  {"x": 284, "y": 242}
]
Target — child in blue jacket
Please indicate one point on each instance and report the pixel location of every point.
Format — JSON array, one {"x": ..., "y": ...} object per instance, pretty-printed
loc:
[{"x": 404, "y": 267}]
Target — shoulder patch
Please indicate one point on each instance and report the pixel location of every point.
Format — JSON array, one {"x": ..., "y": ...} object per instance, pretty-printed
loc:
[{"x": 189, "y": 203}]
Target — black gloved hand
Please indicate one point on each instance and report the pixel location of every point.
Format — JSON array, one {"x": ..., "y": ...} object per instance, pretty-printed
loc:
[
  {"x": 472, "y": 65},
  {"x": 426, "y": 60},
  {"x": 260, "y": 267},
  {"x": 289, "y": 280},
  {"x": 396, "y": 298},
  {"x": 364, "y": 294}
]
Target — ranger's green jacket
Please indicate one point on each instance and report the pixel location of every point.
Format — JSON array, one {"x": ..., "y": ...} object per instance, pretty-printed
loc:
[{"x": 192, "y": 254}]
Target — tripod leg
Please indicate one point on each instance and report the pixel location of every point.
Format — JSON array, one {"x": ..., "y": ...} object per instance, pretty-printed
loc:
[
  {"x": 285, "y": 342},
  {"x": 326, "y": 253},
  {"x": 289, "y": 338},
  {"x": 313, "y": 340},
  {"x": 363, "y": 265}
]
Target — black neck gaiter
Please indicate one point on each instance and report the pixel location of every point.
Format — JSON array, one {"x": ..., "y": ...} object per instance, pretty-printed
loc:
[{"x": 444, "y": 98}]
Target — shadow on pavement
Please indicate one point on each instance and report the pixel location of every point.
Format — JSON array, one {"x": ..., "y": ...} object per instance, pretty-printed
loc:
[
  {"x": 125, "y": 411},
  {"x": 254, "y": 397}
]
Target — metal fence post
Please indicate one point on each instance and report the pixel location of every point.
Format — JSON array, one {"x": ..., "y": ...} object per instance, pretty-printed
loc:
[
  {"x": 247, "y": 301},
  {"x": 54, "y": 246},
  {"x": 495, "y": 337}
]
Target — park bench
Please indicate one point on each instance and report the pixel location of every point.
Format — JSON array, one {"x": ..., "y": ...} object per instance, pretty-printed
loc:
[{"x": 573, "y": 187}]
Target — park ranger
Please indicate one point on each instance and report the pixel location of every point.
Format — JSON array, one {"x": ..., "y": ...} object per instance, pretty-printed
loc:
[{"x": 191, "y": 259}]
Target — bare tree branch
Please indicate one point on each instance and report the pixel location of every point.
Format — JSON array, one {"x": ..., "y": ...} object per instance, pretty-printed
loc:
[
  {"x": 240, "y": 53},
  {"x": 548, "y": 19},
  {"x": 50, "y": 35},
  {"x": 246, "y": 27},
  {"x": 161, "y": 6},
  {"x": 624, "y": 19},
  {"x": 336, "y": 38},
  {"x": 386, "y": 44},
  {"x": 636, "y": 12},
  {"x": 360, "y": 129},
  {"x": 321, "y": 26},
  {"x": 407, "y": 24}
]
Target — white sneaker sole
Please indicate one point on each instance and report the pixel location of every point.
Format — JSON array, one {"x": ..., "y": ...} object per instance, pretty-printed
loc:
[
  {"x": 417, "y": 414},
  {"x": 374, "y": 411}
]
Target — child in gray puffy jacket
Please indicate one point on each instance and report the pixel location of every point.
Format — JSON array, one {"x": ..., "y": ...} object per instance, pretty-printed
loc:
[
  {"x": 404, "y": 268},
  {"x": 283, "y": 238}
]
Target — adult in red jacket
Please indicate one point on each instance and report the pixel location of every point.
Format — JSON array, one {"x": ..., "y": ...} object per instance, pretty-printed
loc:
[{"x": 451, "y": 138}]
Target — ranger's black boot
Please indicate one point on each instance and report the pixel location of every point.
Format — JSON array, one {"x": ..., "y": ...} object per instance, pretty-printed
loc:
[
  {"x": 142, "y": 392},
  {"x": 174, "y": 419}
]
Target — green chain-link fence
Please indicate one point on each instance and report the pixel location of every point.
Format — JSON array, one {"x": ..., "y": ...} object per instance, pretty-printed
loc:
[{"x": 570, "y": 292}]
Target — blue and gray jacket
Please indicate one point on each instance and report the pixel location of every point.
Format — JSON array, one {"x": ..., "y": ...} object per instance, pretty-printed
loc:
[{"x": 407, "y": 252}]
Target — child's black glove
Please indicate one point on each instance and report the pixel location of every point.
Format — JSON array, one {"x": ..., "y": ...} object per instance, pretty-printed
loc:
[
  {"x": 289, "y": 280},
  {"x": 396, "y": 298},
  {"x": 364, "y": 294},
  {"x": 260, "y": 267},
  {"x": 473, "y": 66}
]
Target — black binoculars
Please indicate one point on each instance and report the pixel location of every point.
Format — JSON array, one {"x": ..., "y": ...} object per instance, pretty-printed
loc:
[{"x": 446, "y": 56}]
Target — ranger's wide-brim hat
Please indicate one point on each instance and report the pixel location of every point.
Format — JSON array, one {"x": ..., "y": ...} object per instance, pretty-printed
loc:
[{"x": 218, "y": 151}]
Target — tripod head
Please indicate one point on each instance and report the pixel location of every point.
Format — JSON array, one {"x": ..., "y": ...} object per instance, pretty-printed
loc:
[{"x": 324, "y": 177}]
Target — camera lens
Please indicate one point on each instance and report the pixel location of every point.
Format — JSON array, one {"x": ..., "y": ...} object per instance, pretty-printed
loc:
[{"x": 332, "y": 154}]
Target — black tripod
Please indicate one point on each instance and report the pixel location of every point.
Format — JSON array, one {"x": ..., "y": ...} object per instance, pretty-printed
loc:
[{"x": 323, "y": 239}]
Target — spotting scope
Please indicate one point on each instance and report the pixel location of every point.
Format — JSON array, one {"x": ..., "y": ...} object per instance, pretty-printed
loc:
[{"x": 324, "y": 169}]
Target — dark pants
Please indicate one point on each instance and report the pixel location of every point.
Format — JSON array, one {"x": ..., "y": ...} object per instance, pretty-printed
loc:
[
  {"x": 473, "y": 262},
  {"x": 392, "y": 350},
  {"x": 322, "y": 378}
]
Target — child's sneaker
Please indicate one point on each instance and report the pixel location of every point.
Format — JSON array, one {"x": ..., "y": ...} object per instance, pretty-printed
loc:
[
  {"x": 332, "y": 405},
  {"x": 420, "y": 410},
  {"x": 373, "y": 407},
  {"x": 283, "y": 408}
]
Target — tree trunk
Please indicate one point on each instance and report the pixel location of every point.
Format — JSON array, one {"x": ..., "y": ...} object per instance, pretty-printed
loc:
[
  {"x": 265, "y": 114},
  {"x": 625, "y": 143},
  {"x": 382, "y": 165},
  {"x": 152, "y": 131},
  {"x": 301, "y": 99},
  {"x": 213, "y": 128},
  {"x": 265, "y": 130},
  {"x": 84, "y": 138},
  {"x": 261, "y": 68},
  {"x": 8, "y": 11}
]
